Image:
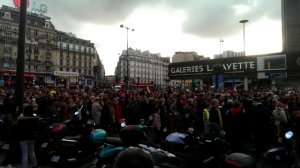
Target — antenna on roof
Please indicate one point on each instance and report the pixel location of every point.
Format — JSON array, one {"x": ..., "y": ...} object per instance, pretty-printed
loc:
[{"x": 33, "y": 7}]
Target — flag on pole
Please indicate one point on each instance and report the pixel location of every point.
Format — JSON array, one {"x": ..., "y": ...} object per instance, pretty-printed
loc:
[{"x": 232, "y": 89}]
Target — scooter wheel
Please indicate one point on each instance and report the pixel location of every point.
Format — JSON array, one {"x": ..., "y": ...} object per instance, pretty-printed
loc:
[{"x": 101, "y": 164}]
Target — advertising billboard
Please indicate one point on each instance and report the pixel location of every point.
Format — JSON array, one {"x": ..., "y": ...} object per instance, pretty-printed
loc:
[{"x": 269, "y": 63}]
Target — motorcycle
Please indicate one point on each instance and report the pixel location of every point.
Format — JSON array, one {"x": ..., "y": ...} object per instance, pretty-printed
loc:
[
  {"x": 161, "y": 158},
  {"x": 275, "y": 157},
  {"x": 129, "y": 136},
  {"x": 69, "y": 142},
  {"x": 192, "y": 149},
  {"x": 113, "y": 146}
]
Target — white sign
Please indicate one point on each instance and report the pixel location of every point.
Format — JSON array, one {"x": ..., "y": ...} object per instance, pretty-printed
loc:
[{"x": 65, "y": 73}]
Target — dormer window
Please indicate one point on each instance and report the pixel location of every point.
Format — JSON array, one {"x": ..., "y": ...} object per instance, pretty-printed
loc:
[
  {"x": 7, "y": 15},
  {"x": 47, "y": 25}
]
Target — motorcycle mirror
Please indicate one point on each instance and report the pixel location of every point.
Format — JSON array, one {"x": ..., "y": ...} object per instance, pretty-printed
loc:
[
  {"x": 191, "y": 130},
  {"x": 222, "y": 133},
  {"x": 123, "y": 124},
  {"x": 142, "y": 121},
  {"x": 289, "y": 134},
  {"x": 76, "y": 113}
]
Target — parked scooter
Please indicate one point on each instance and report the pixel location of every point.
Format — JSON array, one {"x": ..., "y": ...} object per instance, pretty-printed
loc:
[
  {"x": 69, "y": 142},
  {"x": 130, "y": 135},
  {"x": 161, "y": 158},
  {"x": 275, "y": 157},
  {"x": 192, "y": 149}
]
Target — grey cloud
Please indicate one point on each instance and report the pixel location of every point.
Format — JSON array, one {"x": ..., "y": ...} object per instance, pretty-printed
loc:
[
  {"x": 219, "y": 19},
  {"x": 95, "y": 11},
  {"x": 205, "y": 18}
]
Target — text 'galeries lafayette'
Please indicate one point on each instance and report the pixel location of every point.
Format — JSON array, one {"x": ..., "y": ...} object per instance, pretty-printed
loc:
[{"x": 236, "y": 66}]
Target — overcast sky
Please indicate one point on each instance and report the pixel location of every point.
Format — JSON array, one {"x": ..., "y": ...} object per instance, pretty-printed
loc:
[{"x": 167, "y": 26}]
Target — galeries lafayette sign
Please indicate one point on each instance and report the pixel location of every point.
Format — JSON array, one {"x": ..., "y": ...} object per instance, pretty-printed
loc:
[{"x": 238, "y": 64}]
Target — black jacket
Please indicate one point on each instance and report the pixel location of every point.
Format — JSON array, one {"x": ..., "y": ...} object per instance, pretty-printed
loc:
[{"x": 27, "y": 128}]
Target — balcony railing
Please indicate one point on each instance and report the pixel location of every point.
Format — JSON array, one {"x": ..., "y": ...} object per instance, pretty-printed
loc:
[
  {"x": 7, "y": 50},
  {"x": 48, "y": 54},
  {"x": 32, "y": 61},
  {"x": 48, "y": 63}
]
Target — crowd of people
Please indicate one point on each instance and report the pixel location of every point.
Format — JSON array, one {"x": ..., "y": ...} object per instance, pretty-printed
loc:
[{"x": 257, "y": 117}]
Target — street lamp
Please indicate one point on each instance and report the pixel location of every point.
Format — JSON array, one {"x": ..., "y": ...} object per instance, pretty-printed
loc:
[
  {"x": 221, "y": 41},
  {"x": 127, "y": 56},
  {"x": 21, "y": 54},
  {"x": 243, "y": 22}
]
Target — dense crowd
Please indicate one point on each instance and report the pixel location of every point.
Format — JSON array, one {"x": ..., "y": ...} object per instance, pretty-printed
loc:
[{"x": 257, "y": 117}]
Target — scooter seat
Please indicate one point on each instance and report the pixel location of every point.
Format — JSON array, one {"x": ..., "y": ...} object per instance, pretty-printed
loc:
[
  {"x": 114, "y": 141},
  {"x": 240, "y": 160},
  {"x": 76, "y": 137}
]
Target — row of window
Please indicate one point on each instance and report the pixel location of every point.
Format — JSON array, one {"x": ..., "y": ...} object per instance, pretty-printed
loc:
[
  {"x": 74, "y": 63},
  {"x": 147, "y": 66},
  {"x": 7, "y": 15},
  {"x": 74, "y": 47},
  {"x": 90, "y": 58},
  {"x": 36, "y": 33}
]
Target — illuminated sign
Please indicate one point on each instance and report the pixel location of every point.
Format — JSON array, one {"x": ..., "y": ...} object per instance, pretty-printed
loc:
[
  {"x": 18, "y": 3},
  {"x": 267, "y": 63}
]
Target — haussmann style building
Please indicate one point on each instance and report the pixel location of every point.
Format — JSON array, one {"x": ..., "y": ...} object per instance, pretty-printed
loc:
[{"x": 52, "y": 58}]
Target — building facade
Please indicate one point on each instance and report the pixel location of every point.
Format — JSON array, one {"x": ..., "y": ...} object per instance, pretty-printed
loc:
[
  {"x": 187, "y": 56},
  {"x": 278, "y": 70},
  {"x": 144, "y": 68},
  {"x": 291, "y": 25},
  {"x": 52, "y": 58},
  {"x": 227, "y": 54},
  {"x": 76, "y": 55}
]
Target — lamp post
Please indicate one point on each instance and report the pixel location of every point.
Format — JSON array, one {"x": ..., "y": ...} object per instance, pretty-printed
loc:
[
  {"x": 20, "y": 58},
  {"x": 221, "y": 41},
  {"x": 127, "y": 56},
  {"x": 243, "y": 22}
]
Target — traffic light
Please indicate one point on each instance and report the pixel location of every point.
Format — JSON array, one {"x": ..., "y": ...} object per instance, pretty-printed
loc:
[
  {"x": 33, "y": 80},
  {"x": 125, "y": 79}
]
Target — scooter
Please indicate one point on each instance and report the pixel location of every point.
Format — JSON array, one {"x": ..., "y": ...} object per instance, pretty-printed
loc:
[
  {"x": 161, "y": 158},
  {"x": 69, "y": 141},
  {"x": 129, "y": 135},
  {"x": 275, "y": 157},
  {"x": 192, "y": 149}
]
